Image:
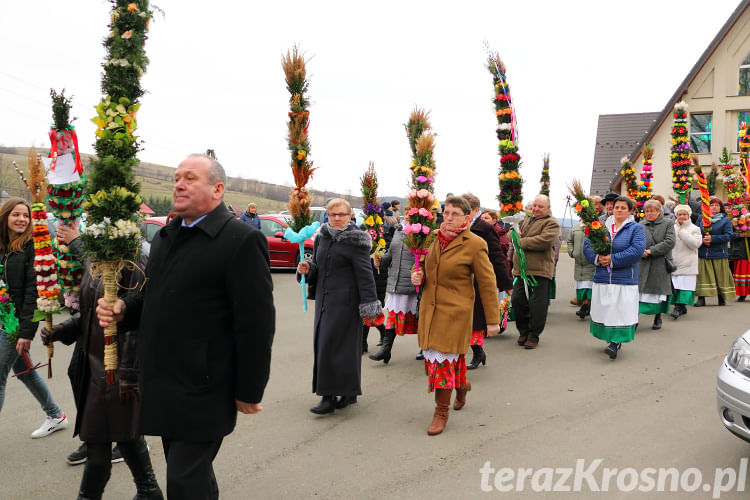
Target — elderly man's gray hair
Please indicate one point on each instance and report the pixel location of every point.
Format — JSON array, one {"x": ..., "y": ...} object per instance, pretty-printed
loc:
[{"x": 216, "y": 172}]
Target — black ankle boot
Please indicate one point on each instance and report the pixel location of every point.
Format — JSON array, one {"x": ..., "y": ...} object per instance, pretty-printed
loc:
[
  {"x": 722, "y": 302},
  {"x": 478, "y": 356},
  {"x": 136, "y": 456},
  {"x": 327, "y": 405},
  {"x": 741, "y": 298},
  {"x": 384, "y": 354},
  {"x": 683, "y": 309},
  {"x": 381, "y": 330},
  {"x": 657, "y": 322},
  {"x": 583, "y": 311},
  {"x": 95, "y": 477},
  {"x": 345, "y": 401},
  {"x": 612, "y": 349},
  {"x": 676, "y": 312},
  {"x": 701, "y": 302}
]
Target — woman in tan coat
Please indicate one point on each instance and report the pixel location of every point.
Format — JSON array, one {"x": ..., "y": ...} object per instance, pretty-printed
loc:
[{"x": 456, "y": 258}]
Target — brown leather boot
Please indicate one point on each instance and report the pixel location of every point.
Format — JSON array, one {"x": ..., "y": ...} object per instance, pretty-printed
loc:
[
  {"x": 442, "y": 407},
  {"x": 460, "y": 401}
]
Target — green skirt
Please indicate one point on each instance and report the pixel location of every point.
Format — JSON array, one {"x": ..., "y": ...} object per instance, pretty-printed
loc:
[
  {"x": 583, "y": 294},
  {"x": 612, "y": 333},
  {"x": 685, "y": 297},
  {"x": 648, "y": 308},
  {"x": 714, "y": 278}
]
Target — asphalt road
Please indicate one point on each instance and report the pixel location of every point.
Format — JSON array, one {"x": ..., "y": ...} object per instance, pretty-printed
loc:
[{"x": 544, "y": 410}]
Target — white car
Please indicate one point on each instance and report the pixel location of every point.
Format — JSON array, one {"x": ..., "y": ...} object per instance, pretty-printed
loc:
[{"x": 733, "y": 388}]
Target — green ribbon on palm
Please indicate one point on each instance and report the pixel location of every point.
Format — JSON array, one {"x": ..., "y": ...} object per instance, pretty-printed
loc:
[{"x": 529, "y": 279}]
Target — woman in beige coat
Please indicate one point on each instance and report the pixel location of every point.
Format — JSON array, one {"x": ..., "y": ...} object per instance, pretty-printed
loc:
[{"x": 456, "y": 258}]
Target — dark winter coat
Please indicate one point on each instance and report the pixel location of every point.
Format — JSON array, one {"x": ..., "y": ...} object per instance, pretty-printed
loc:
[
  {"x": 18, "y": 274},
  {"x": 207, "y": 322},
  {"x": 499, "y": 261},
  {"x": 251, "y": 219},
  {"x": 627, "y": 249},
  {"x": 738, "y": 247},
  {"x": 652, "y": 271},
  {"x": 102, "y": 417},
  {"x": 344, "y": 294},
  {"x": 721, "y": 233},
  {"x": 398, "y": 261}
]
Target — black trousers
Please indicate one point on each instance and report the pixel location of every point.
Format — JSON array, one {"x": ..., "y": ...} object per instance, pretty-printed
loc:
[
  {"x": 531, "y": 312},
  {"x": 190, "y": 473}
]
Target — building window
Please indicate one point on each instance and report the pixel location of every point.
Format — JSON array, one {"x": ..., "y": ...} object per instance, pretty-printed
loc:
[
  {"x": 743, "y": 87},
  {"x": 700, "y": 132},
  {"x": 742, "y": 117}
]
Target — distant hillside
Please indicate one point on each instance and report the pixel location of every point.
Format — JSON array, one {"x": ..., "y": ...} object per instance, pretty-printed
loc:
[{"x": 157, "y": 181}]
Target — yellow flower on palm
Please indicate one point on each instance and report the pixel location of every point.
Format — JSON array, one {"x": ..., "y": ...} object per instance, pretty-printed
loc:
[
  {"x": 381, "y": 242},
  {"x": 369, "y": 221},
  {"x": 378, "y": 220}
]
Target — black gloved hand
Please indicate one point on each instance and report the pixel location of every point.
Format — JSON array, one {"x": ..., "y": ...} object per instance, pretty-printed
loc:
[{"x": 48, "y": 336}]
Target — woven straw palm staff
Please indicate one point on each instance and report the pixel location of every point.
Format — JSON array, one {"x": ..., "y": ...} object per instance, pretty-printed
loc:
[{"x": 220, "y": 351}]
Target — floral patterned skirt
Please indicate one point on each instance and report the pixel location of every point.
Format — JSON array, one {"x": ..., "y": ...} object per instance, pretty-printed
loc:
[
  {"x": 446, "y": 374},
  {"x": 374, "y": 321},
  {"x": 403, "y": 323},
  {"x": 477, "y": 338}
]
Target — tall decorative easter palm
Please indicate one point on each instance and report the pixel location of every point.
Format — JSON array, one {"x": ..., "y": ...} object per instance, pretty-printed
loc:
[
  {"x": 419, "y": 220},
  {"x": 112, "y": 235},
  {"x": 544, "y": 181},
  {"x": 302, "y": 225},
  {"x": 680, "y": 155},
  {"x": 65, "y": 192}
]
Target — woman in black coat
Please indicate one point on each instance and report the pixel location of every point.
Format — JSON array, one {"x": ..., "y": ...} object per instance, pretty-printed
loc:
[
  {"x": 341, "y": 274},
  {"x": 106, "y": 413}
]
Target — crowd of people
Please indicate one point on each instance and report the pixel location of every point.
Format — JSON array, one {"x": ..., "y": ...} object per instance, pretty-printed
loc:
[{"x": 184, "y": 377}]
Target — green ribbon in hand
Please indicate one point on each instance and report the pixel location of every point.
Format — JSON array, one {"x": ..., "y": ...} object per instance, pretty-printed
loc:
[{"x": 530, "y": 280}]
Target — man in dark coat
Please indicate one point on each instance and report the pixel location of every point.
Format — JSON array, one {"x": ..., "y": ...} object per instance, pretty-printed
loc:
[
  {"x": 341, "y": 273},
  {"x": 499, "y": 261},
  {"x": 206, "y": 321}
]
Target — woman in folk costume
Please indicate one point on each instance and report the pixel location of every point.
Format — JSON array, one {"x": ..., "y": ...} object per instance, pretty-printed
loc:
[
  {"x": 456, "y": 259},
  {"x": 654, "y": 282},
  {"x": 685, "y": 255},
  {"x": 739, "y": 256},
  {"x": 401, "y": 296},
  {"x": 714, "y": 276},
  {"x": 583, "y": 273},
  {"x": 614, "y": 297}
]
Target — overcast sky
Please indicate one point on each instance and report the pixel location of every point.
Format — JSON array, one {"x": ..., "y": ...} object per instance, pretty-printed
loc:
[{"x": 215, "y": 80}]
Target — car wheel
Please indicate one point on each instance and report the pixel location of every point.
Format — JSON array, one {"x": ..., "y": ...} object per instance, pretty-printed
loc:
[{"x": 308, "y": 256}]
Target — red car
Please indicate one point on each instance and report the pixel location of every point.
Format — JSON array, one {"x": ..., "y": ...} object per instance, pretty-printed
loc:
[
  {"x": 151, "y": 225},
  {"x": 283, "y": 252}
]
